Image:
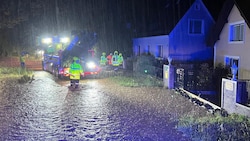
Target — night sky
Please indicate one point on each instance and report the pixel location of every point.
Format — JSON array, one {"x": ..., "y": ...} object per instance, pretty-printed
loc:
[{"x": 116, "y": 22}]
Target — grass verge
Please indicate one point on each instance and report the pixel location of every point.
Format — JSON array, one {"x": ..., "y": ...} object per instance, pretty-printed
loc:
[
  {"x": 23, "y": 75},
  {"x": 136, "y": 81},
  {"x": 216, "y": 127}
]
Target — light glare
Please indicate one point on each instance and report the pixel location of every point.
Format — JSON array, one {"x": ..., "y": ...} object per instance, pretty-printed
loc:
[
  {"x": 47, "y": 40},
  {"x": 64, "y": 40}
]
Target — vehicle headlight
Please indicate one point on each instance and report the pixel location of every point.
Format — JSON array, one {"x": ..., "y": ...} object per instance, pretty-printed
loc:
[{"x": 91, "y": 65}]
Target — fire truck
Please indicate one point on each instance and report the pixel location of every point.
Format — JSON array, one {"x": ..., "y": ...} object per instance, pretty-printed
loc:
[{"x": 59, "y": 55}]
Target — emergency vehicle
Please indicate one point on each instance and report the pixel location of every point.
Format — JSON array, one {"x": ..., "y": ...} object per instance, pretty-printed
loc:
[{"x": 57, "y": 59}]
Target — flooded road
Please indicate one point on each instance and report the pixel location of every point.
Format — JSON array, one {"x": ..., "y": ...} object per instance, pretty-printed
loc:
[{"x": 46, "y": 110}]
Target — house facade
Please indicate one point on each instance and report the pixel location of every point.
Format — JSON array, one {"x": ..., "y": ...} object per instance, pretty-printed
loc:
[
  {"x": 186, "y": 41},
  {"x": 155, "y": 45},
  {"x": 233, "y": 46}
]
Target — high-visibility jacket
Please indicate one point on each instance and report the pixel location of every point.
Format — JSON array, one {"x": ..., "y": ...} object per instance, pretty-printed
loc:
[
  {"x": 75, "y": 71},
  {"x": 103, "y": 60},
  {"x": 115, "y": 60},
  {"x": 22, "y": 59},
  {"x": 120, "y": 59}
]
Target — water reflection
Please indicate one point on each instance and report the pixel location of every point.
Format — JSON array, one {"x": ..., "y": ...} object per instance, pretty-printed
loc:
[{"x": 47, "y": 110}]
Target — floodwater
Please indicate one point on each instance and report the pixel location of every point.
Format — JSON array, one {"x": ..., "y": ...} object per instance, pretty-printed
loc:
[{"x": 46, "y": 110}]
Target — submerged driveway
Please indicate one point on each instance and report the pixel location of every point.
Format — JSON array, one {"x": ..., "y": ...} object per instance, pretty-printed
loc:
[{"x": 46, "y": 110}]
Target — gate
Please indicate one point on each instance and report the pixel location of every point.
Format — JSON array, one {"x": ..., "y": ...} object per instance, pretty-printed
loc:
[{"x": 179, "y": 82}]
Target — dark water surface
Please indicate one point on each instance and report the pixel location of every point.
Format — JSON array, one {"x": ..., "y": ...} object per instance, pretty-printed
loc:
[{"x": 46, "y": 110}]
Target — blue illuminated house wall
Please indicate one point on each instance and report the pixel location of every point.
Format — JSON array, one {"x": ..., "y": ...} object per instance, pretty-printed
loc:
[
  {"x": 180, "y": 44},
  {"x": 187, "y": 42},
  {"x": 154, "y": 45}
]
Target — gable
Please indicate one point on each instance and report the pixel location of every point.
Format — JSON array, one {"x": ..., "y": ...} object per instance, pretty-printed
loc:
[
  {"x": 197, "y": 11},
  {"x": 243, "y": 7}
]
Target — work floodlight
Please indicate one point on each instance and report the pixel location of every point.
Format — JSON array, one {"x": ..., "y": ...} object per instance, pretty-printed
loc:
[
  {"x": 47, "y": 40},
  {"x": 64, "y": 40}
]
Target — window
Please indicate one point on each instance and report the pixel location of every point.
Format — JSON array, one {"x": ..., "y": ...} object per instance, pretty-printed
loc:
[
  {"x": 160, "y": 51},
  {"x": 236, "y": 32},
  {"x": 197, "y": 6},
  {"x": 139, "y": 50},
  {"x": 195, "y": 26},
  {"x": 147, "y": 50},
  {"x": 229, "y": 61}
]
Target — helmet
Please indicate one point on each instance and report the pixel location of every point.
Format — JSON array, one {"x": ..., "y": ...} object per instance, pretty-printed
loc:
[
  {"x": 103, "y": 53},
  {"x": 22, "y": 53},
  {"x": 120, "y": 54},
  {"x": 116, "y": 52}
]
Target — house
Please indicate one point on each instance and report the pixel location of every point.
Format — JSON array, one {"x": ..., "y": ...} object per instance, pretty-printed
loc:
[
  {"x": 154, "y": 45},
  {"x": 185, "y": 42},
  {"x": 231, "y": 42}
]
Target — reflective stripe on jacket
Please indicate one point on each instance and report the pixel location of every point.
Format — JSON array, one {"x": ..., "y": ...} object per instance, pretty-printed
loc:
[
  {"x": 120, "y": 59},
  {"x": 115, "y": 60},
  {"x": 103, "y": 60},
  {"x": 75, "y": 71}
]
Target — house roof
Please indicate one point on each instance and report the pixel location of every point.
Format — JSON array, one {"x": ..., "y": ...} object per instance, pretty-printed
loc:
[
  {"x": 223, "y": 18},
  {"x": 243, "y": 7}
]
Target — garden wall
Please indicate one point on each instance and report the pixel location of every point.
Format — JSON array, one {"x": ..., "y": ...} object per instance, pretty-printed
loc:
[{"x": 229, "y": 98}]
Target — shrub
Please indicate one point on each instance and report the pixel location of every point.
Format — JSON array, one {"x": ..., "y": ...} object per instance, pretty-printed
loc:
[
  {"x": 145, "y": 64},
  {"x": 14, "y": 71},
  {"x": 137, "y": 80}
]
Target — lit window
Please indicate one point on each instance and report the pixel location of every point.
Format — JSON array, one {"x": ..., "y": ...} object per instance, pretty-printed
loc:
[
  {"x": 195, "y": 26},
  {"x": 236, "y": 32},
  {"x": 229, "y": 61}
]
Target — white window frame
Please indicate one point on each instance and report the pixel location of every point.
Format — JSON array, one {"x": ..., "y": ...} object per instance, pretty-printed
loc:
[
  {"x": 232, "y": 32},
  {"x": 193, "y": 27}
]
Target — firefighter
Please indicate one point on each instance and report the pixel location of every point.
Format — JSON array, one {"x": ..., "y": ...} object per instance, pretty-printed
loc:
[
  {"x": 109, "y": 58},
  {"x": 75, "y": 71},
  {"x": 103, "y": 60},
  {"x": 120, "y": 59},
  {"x": 115, "y": 59},
  {"x": 22, "y": 60}
]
